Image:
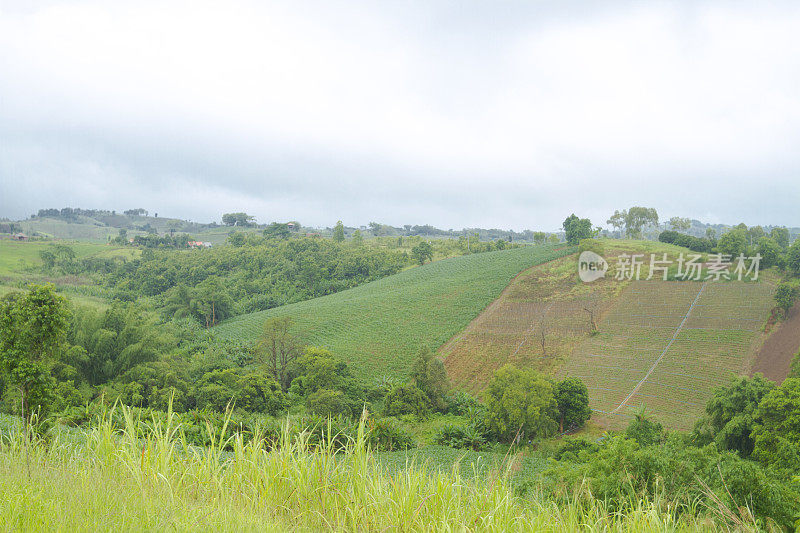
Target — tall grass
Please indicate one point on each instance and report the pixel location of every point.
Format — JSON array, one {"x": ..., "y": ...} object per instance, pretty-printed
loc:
[{"x": 132, "y": 479}]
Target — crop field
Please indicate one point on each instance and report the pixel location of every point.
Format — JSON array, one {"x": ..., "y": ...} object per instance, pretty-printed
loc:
[
  {"x": 18, "y": 257},
  {"x": 378, "y": 328},
  {"x": 539, "y": 320},
  {"x": 666, "y": 345}
]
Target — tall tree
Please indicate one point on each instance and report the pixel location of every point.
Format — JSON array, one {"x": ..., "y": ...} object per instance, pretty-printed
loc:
[
  {"x": 520, "y": 403},
  {"x": 338, "y": 232},
  {"x": 279, "y": 348},
  {"x": 680, "y": 224},
  {"x": 576, "y": 229},
  {"x": 637, "y": 218},
  {"x": 238, "y": 219},
  {"x": 572, "y": 398},
  {"x": 731, "y": 414},
  {"x": 32, "y": 327},
  {"x": 429, "y": 374},
  {"x": 781, "y": 236},
  {"x": 422, "y": 251},
  {"x": 617, "y": 220}
]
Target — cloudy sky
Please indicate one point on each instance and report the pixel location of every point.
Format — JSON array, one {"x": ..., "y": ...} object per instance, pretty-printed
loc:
[{"x": 491, "y": 114}]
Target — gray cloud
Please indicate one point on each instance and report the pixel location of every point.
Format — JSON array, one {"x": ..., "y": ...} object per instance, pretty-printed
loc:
[{"x": 459, "y": 114}]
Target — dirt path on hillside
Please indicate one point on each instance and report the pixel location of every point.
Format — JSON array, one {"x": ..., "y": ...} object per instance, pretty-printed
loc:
[
  {"x": 445, "y": 348},
  {"x": 775, "y": 356}
]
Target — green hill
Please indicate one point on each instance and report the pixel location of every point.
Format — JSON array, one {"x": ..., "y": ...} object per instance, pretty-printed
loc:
[{"x": 377, "y": 328}]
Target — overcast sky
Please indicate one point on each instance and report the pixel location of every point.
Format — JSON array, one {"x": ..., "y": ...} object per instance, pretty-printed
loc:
[{"x": 490, "y": 114}]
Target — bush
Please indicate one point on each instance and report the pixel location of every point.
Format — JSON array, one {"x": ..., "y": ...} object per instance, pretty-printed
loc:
[
  {"x": 702, "y": 245},
  {"x": 572, "y": 447},
  {"x": 592, "y": 245},
  {"x": 644, "y": 431},
  {"x": 461, "y": 403},
  {"x": 467, "y": 436},
  {"x": 784, "y": 296},
  {"x": 406, "y": 400},
  {"x": 326, "y": 402},
  {"x": 521, "y": 403},
  {"x": 386, "y": 434},
  {"x": 621, "y": 471}
]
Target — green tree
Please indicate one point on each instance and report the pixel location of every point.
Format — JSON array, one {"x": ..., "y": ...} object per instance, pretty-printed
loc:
[
  {"x": 357, "y": 237},
  {"x": 279, "y": 349},
  {"x": 422, "y": 251},
  {"x": 328, "y": 403},
  {"x": 48, "y": 259},
  {"x": 637, "y": 218},
  {"x": 644, "y": 430},
  {"x": 793, "y": 258},
  {"x": 212, "y": 301},
  {"x": 539, "y": 237},
  {"x": 785, "y": 295},
  {"x": 277, "y": 230},
  {"x": 776, "y": 435},
  {"x": 32, "y": 329},
  {"x": 680, "y": 224},
  {"x": 733, "y": 243},
  {"x": 754, "y": 234},
  {"x": 338, "y": 232},
  {"x": 617, "y": 220},
  {"x": 520, "y": 402},
  {"x": 576, "y": 229},
  {"x": 770, "y": 252},
  {"x": 731, "y": 414},
  {"x": 430, "y": 376},
  {"x": 238, "y": 219},
  {"x": 406, "y": 400},
  {"x": 572, "y": 398},
  {"x": 237, "y": 238},
  {"x": 781, "y": 236}
]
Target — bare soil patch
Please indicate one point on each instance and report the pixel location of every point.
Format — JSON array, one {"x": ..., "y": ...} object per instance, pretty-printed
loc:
[{"x": 775, "y": 356}]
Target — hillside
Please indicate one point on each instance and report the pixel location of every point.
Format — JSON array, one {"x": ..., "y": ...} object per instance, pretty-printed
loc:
[
  {"x": 667, "y": 345},
  {"x": 377, "y": 328},
  {"x": 103, "y": 227},
  {"x": 663, "y": 345}
]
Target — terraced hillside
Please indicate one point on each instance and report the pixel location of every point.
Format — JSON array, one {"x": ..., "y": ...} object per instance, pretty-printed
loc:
[
  {"x": 377, "y": 328},
  {"x": 539, "y": 319},
  {"x": 666, "y": 345}
]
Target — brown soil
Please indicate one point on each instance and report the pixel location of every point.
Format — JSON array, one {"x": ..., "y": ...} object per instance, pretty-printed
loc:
[{"x": 775, "y": 356}]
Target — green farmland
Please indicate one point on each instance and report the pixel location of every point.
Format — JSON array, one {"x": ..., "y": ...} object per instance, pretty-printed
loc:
[
  {"x": 377, "y": 328},
  {"x": 667, "y": 345}
]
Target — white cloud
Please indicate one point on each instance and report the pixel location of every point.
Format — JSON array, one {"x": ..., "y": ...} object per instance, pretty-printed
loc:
[{"x": 462, "y": 114}]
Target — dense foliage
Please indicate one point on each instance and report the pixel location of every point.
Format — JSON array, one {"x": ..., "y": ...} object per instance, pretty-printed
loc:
[{"x": 261, "y": 275}]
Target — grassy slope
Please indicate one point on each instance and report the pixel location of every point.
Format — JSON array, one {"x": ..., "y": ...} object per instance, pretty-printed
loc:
[
  {"x": 636, "y": 321},
  {"x": 20, "y": 264},
  {"x": 156, "y": 484},
  {"x": 549, "y": 295},
  {"x": 378, "y": 327}
]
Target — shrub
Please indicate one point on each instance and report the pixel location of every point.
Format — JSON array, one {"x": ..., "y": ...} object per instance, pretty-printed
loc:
[
  {"x": 572, "y": 398},
  {"x": 572, "y": 447},
  {"x": 326, "y": 402},
  {"x": 520, "y": 403},
  {"x": 461, "y": 403},
  {"x": 386, "y": 434},
  {"x": 785, "y": 295},
  {"x": 702, "y": 245},
  {"x": 644, "y": 431},
  {"x": 406, "y": 400},
  {"x": 592, "y": 245},
  {"x": 467, "y": 436}
]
